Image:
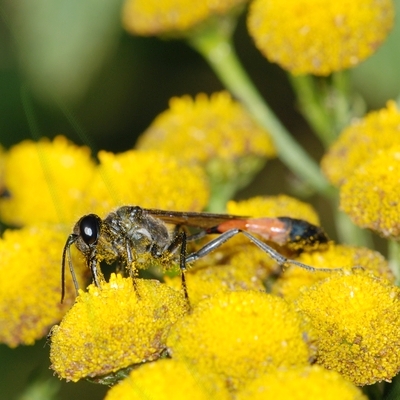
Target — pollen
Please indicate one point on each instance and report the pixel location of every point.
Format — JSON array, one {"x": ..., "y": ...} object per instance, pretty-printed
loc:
[
  {"x": 173, "y": 17},
  {"x": 30, "y": 288},
  {"x": 239, "y": 335},
  {"x": 114, "y": 327},
  {"x": 355, "y": 320},
  {"x": 319, "y": 36}
]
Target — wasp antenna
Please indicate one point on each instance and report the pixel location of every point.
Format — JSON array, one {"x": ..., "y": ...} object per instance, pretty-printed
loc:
[{"x": 67, "y": 254}]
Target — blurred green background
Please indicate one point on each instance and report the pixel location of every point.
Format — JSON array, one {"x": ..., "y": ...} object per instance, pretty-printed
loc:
[{"x": 73, "y": 55}]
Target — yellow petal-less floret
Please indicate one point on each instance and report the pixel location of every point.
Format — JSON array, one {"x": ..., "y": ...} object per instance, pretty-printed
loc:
[
  {"x": 215, "y": 132},
  {"x": 152, "y": 17},
  {"x": 357, "y": 259},
  {"x": 207, "y": 281},
  {"x": 46, "y": 182},
  {"x": 319, "y": 36},
  {"x": 360, "y": 142},
  {"x": 114, "y": 327},
  {"x": 239, "y": 335},
  {"x": 165, "y": 380},
  {"x": 30, "y": 287},
  {"x": 149, "y": 179},
  {"x": 203, "y": 128},
  {"x": 356, "y": 322},
  {"x": 301, "y": 384},
  {"x": 371, "y": 195}
]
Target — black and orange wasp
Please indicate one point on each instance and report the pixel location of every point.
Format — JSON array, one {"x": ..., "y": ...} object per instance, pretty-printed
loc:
[{"x": 131, "y": 231}]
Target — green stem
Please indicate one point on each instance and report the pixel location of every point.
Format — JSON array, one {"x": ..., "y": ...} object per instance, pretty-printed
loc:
[
  {"x": 324, "y": 102},
  {"x": 311, "y": 105},
  {"x": 216, "y": 47},
  {"x": 394, "y": 259}
]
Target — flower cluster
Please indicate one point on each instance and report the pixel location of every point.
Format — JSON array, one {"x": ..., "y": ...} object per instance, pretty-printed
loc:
[{"x": 365, "y": 163}]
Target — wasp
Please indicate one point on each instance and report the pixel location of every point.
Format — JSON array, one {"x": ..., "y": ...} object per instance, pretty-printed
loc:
[{"x": 131, "y": 234}]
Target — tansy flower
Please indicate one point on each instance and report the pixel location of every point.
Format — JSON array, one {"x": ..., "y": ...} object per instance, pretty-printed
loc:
[
  {"x": 114, "y": 327},
  {"x": 207, "y": 280},
  {"x": 319, "y": 36},
  {"x": 356, "y": 320},
  {"x": 214, "y": 132},
  {"x": 362, "y": 141},
  {"x": 149, "y": 179},
  {"x": 168, "y": 379},
  {"x": 371, "y": 194},
  {"x": 173, "y": 17},
  {"x": 238, "y": 336},
  {"x": 30, "y": 285},
  {"x": 45, "y": 181},
  {"x": 357, "y": 259},
  {"x": 301, "y": 384}
]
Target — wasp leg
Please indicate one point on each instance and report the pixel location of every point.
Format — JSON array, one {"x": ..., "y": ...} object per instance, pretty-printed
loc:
[
  {"x": 180, "y": 240},
  {"x": 275, "y": 255}
]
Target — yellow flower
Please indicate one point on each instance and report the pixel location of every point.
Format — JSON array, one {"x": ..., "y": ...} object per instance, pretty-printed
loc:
[
  {"x": 355, "y": 319},
  {"x": 203, "y": 128},
  {"x": 301, "y": 384},
  {"x": 239, "y": 335},
  {"x": 152, "y": 17},
  {"x": 167, "y": 379},
  {"x": 361, "y": 142},
  {"x": 149, "y": 179},
  {"x": 319, "y": 36},
  {"x": 359, "y": 259},
  {"x": 216, "y": 133},
  {"x": 46, "y": 182},
  {"x": 371, "y": 194},
  {"x": 208, "y": 280},
  {"x": 30, "y": 285},
  {"x": 114, "y": 327}
]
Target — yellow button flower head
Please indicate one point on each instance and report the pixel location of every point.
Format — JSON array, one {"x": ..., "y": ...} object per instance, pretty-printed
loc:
[
  {"x": 207, "y": 280},
  {"x": 30, "y": 286},
  {"x": 362, "y": 141},
  {"x": 149, "y": 179},
  {"x": 114, "y": 327},
  {"x": 152, "y": 17},
  {"x": 371, "y": 195},
  {"x": 46, "y": 181},
  {"x": 359, "y": 259},
  {"x": 239, "y": 335},
  {"x": 319, "y": 36},
  {"x": 215, "y": 132},
  {"x": 356, "y": 321},
  {"x": 301, "y": 384},
  {"x": 166, "y": 380}
]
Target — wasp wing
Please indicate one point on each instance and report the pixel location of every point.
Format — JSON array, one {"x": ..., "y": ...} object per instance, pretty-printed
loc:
[{"x": 189, "y": 218}]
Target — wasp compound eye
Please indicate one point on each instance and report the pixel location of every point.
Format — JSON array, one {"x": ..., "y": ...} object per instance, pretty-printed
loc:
[{"x": 89, "y": 227}]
